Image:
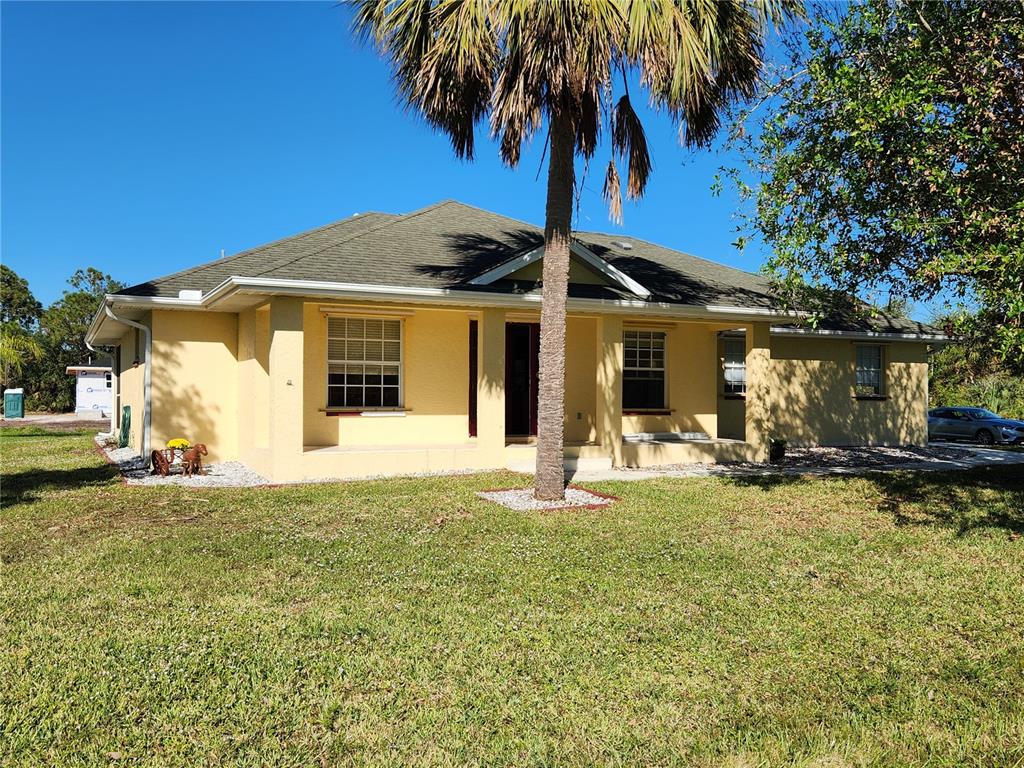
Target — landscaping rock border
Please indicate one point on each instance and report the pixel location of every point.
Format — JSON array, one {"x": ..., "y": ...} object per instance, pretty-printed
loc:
[{"x": 522, "y": 499}]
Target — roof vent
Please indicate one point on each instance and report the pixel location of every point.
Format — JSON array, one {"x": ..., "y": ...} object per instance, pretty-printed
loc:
[
  {"x": 623, "y": 245},
  {"x": 190, "y": 295}
]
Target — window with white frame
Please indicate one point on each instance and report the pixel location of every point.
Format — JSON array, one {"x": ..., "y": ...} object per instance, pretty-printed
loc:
[
  {"x": 364, "y": 362},
  {"x": 643, "y": 380},
  {"x": 734, "y": 366},
  {"x": 869, "y": 371}
]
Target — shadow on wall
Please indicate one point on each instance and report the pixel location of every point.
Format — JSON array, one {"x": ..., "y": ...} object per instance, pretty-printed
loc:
[
  {"x": 813, "y": 403},
  {"x": 180, "y": 408}
]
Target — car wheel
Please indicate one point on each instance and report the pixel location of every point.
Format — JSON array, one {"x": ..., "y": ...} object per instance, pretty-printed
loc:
[{"x": 984, "y": 437}]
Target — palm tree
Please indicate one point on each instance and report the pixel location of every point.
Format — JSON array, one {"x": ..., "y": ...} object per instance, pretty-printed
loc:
[
  {"x": 527, "y": 63},
  {"x": 17, "y": 349}
]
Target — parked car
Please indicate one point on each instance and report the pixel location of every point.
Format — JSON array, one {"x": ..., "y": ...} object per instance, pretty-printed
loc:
[{"x": 978, "y": 425}]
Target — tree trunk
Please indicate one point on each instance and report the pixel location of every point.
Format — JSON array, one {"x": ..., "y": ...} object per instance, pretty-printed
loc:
[{"x": 549, "y": 481}]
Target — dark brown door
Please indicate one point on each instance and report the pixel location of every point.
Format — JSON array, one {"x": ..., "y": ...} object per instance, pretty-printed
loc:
[
  {"x": 473, "y": 336},
  {"x": 522, "y": 345}
]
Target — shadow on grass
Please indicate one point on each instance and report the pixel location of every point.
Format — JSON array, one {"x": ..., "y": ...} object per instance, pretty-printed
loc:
[
  {"x": 964, "y": 500},
  {"x": 22, "y": 487},
  {"x": 15, "y": 433}
]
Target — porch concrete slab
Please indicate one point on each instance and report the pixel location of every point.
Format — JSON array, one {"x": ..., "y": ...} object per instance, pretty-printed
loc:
[{"x": 972, "y": 456}]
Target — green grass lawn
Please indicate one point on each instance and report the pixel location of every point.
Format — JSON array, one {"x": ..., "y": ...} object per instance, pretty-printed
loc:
[{"x": 856, "y": 621}]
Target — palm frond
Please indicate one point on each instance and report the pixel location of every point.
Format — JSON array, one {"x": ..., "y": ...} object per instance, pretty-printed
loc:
[
  {"x": 444, "y": 57},
  {"x": 612, "y": 193},
  {"x": 629, "y": 141}
]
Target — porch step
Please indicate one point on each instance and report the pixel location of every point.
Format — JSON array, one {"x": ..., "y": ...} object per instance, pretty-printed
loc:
[
  {"x": 571, "y": 463},
  {"x": 664, "y": 437},
  {"x": 523, "y": 458}
]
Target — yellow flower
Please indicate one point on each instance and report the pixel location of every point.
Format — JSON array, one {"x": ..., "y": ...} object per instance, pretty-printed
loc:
[{"x": 180, "y": 443}]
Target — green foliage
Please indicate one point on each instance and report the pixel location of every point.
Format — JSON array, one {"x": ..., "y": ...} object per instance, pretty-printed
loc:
[
  {"x": 999, "y": 392},
  {"x": 889, "y": 158},
  {"x": 972, "y": 373},
  {"x": 523, "y": 63},
  {"x": 18, "y": 349},
  {"x": 61, "y": 334},
  {"x": 17, "y": 304},
  {"x": 872, "y": 621}
]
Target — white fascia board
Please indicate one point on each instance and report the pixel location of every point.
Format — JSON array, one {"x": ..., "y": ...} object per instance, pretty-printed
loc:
[
  {"x": 141, "y": 302},
  {"x": 938, "y": 338},
  {"x": 406, "y": 294},
  {"x": 581, "y": 251},
  {"x": 507, "y": 268},
  {"x": 610, "y": 271}
]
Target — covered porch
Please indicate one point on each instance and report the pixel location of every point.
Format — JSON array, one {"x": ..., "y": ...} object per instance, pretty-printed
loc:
[{"x": 441, "y": 424}]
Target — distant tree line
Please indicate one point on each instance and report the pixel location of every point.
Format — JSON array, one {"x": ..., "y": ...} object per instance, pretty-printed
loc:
[
  {"x": 972, "y": 371},
  {"x": 37, "y": 345}
]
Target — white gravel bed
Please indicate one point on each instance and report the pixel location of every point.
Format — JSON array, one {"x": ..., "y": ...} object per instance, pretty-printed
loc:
[
  {"x": 522, "y": 500},
  {"x": 225, "y": 474}
]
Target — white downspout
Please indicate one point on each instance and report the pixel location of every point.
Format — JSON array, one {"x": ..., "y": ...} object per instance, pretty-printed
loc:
[{"x": 147, "y": 379}]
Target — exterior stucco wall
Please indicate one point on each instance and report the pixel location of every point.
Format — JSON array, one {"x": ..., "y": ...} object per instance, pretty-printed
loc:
[
  {"x": 690, "y": 352},
  {"x": 195, "y": 380},
  {"x": 130, "y": 379},
  {"x": 580, "y": 379},
  {"x": 813, "y": 399},
  {"x": 578, "y": 273},
  {"x": 254, "y": 389},
  {"x": 252, "y": 386},
  {"x": 435, "y": 384}
]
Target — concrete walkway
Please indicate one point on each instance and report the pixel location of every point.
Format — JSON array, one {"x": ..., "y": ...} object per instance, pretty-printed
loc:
[{"x": 974, "y": 456}]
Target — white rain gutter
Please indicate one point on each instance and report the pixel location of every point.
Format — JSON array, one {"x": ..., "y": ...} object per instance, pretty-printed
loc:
[
  {"x": 862, "y": 335},
  {"x": 147, "y": 379}
]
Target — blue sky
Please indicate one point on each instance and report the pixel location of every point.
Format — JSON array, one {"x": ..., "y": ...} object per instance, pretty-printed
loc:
[{"x": 143, "y": 138}]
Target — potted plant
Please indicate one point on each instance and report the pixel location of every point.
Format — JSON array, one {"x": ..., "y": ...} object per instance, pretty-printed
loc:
[{"x": 776, "y": 450}]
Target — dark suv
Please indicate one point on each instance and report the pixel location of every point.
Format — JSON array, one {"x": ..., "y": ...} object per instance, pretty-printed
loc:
[{"x": 978, "y": 425}]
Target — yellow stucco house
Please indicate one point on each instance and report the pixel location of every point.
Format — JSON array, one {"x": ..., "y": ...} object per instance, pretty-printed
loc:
[{"x": 390, "y": 344}]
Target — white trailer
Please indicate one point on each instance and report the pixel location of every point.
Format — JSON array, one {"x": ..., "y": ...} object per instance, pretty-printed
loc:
[{"x": 93, "y": 388}]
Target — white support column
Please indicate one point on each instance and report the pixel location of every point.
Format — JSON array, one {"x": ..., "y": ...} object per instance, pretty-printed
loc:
[
  {"x": 286, "y": 392},
  {"x": 609, "y": 387},
  {"x": 490, "y": 397}
]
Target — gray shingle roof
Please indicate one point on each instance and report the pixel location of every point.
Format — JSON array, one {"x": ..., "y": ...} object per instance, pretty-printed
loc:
[{"x": 447, "y": 244}]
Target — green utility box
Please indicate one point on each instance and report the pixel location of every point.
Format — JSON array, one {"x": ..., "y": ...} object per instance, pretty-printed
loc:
[{"x": 14, "y": 403}]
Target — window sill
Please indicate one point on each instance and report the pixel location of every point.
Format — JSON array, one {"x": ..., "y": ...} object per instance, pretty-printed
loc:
[
  {"x": 369, "y": 411},
  {"x": 647, "y": 411},
  {"x": 734, "y": 397},
  {"x": 870, "y": 397}
]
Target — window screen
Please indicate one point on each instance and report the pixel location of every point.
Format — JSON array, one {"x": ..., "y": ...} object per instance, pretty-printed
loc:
[
  {"x": 364, "y": 362},
  {"x": 735, "y": 367},
  {"x": 869, "y": 370},
  {"x": 643, "y": 385}
]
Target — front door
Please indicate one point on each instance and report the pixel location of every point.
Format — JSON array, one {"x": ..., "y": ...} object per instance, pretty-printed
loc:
[{"x": 522, "y": 347}]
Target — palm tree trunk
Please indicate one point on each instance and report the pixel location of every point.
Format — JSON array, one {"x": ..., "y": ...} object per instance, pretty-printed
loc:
[{"x": 549, "y": 481}]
